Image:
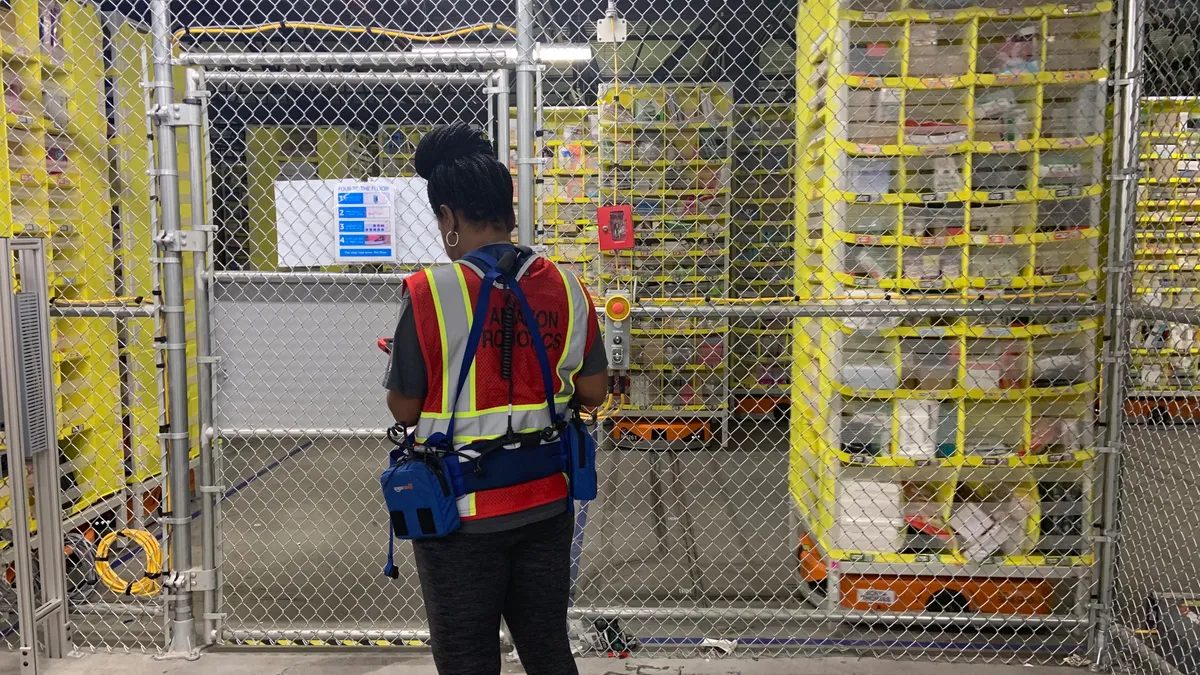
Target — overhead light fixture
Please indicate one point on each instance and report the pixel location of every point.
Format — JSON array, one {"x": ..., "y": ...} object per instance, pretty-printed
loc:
[{"x": 563, "y": 54}]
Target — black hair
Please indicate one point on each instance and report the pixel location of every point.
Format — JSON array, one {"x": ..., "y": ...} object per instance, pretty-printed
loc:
[{"x": 463, "y": 173}]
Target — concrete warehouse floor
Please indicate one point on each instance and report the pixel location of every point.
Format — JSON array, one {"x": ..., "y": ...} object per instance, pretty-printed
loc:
[
  {"x": 305, "y": 541},
  {"x": 306, "y": 663}
]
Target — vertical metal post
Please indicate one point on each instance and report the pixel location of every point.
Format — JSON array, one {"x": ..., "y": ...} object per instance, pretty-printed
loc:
[
  {"x": 503, "y": 139},
  {"x": 27, "y": 403},
  {"x": 526, "y": 72},
  {"x": 1125, "y": 155},
  {"x": 197, "y": 150},
  {"x": 183, "y": 641},
  {"x": 10, "y": 399}
]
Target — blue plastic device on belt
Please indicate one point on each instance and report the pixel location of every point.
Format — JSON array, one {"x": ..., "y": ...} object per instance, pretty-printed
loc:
[{"x": 423, "y": 482}]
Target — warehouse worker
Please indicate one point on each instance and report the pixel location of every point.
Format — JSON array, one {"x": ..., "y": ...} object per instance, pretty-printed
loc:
[{"x": 511, "y": 556}]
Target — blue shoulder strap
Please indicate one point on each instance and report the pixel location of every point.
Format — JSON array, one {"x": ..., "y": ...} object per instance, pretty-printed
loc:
[
  {"x": 485, "y": 261},
  {"x": 477, "y": 322}
]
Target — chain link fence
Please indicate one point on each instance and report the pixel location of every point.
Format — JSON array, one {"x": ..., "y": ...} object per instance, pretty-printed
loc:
[
  {"x": 862, "y": 410},
  {"x": 1156, "y": 583},
  {"x": 74, "y": 169}
]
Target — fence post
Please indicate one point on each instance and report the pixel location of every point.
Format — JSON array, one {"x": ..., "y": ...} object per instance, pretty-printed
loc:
[
  {"x": 194, "y": 97},
  {"x": 183, "y": 642},
  {"x": 1127, "y": 107},
  {"x": 526, "y": 71}
]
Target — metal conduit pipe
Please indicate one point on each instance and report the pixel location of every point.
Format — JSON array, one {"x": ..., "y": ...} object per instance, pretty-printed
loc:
[
  {"x": 95, "y": 312},
  {"x": 465, "y": 56},
  {"x": 1174, "y": 315},
  {"x": 229, "y": 434},
  {"x": 351, "y": 78},
  {"x": 182, "y": 625},
  {"x": 113, "y": 608},
  {"x": 481, "y": 57}
]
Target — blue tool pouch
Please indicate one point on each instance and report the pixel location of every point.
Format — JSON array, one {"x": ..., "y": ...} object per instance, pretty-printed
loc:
[
  {"x": 420, "y": 499},
  {"x": 581, "y": 459}
]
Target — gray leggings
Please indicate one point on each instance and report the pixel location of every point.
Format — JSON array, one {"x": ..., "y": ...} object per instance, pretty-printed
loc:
[{"x": 470, "y": 580}]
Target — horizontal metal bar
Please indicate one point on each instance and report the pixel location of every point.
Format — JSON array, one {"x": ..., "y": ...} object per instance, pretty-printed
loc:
[
  {"x": 306, "y": 278},
  {"x": 873, "y": 309},
  {"x": 230, "y": 434},
  {"x": 100, "y": 312},
  {"x": 118, "y": 609},
  {"x": 797, "y": 308},
  {"x": 483, "y": 57},
  {"x": 47, "y": 609},
  {"x": 1172, "y": 314},
  {"x": 781, "y": 614},
  {"x": 350, "y": 78},
  {"x": 326, "y": 634}
]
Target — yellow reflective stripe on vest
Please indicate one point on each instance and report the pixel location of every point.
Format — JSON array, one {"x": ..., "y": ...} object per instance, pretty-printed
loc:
[
  {"x": 575, "y": 349},
  {"x": 437, "y": 308},
  {"x": 469, "y": 388},
  {"x": 454, "y": 319}
]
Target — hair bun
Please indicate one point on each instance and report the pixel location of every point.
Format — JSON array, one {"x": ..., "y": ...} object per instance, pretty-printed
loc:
[{"x": 445, "y": 144}]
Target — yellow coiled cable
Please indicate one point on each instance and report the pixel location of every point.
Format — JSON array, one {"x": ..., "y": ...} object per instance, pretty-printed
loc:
[{"x": 148, "y": 585}]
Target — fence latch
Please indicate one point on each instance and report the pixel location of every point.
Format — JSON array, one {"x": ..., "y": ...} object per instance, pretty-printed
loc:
[
  {"x": 191, "y": 580},
  {"x": 195, "y": 241},
  {"x": 178, "y": 114}
]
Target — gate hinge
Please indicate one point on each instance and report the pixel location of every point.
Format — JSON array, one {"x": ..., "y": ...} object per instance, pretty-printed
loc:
[
  {"x": 178, "y": 114},
  {"x": 1109, "y": 449},
  {"x": 191, "y": 580},
  {"x": 1104, "y": 538},
  {"x": 195, "y": 241}
]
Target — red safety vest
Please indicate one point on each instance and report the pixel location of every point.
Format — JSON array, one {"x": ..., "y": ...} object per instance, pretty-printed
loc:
[{"x": 443, "y": 301}]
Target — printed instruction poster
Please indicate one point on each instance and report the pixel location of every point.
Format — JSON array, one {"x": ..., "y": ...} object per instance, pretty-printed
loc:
[{"x": 366, "y": 223}]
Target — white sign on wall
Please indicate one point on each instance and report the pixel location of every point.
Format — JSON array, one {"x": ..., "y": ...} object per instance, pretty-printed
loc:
[
  {"x": 366, "y": 224},
  {"x": 328, "y": 222}
]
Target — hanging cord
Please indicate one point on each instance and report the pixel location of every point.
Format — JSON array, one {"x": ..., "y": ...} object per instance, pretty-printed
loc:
[
  {"x": 332, "y": 28},
  {"x": 508, "y": 339},
  {"x": 147, "y": 586}
]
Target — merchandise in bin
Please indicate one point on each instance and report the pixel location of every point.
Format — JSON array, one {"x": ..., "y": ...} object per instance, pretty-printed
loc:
[
  {"x": 1009, "y": 47},
  {"x": 1005, "y": 114},
  {"x": 993, "y": 429},
  {"x": 994, "y": 519}
]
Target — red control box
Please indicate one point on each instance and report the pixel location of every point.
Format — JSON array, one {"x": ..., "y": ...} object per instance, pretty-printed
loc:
[{"x": 616, "y": 227}]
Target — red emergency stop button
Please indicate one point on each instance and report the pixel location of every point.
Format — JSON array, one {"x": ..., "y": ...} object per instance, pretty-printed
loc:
[{"x": 617, "y": 307}]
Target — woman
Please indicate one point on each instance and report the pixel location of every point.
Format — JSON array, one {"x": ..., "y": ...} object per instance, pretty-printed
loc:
[{"x": 511, "y": 556}]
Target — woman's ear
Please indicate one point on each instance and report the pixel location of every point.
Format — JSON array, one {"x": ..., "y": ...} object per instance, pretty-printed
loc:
[{"x": 446, "y": 219}]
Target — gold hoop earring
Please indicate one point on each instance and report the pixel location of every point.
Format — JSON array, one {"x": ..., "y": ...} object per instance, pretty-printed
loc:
[{"x": 452, "y": 244}]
